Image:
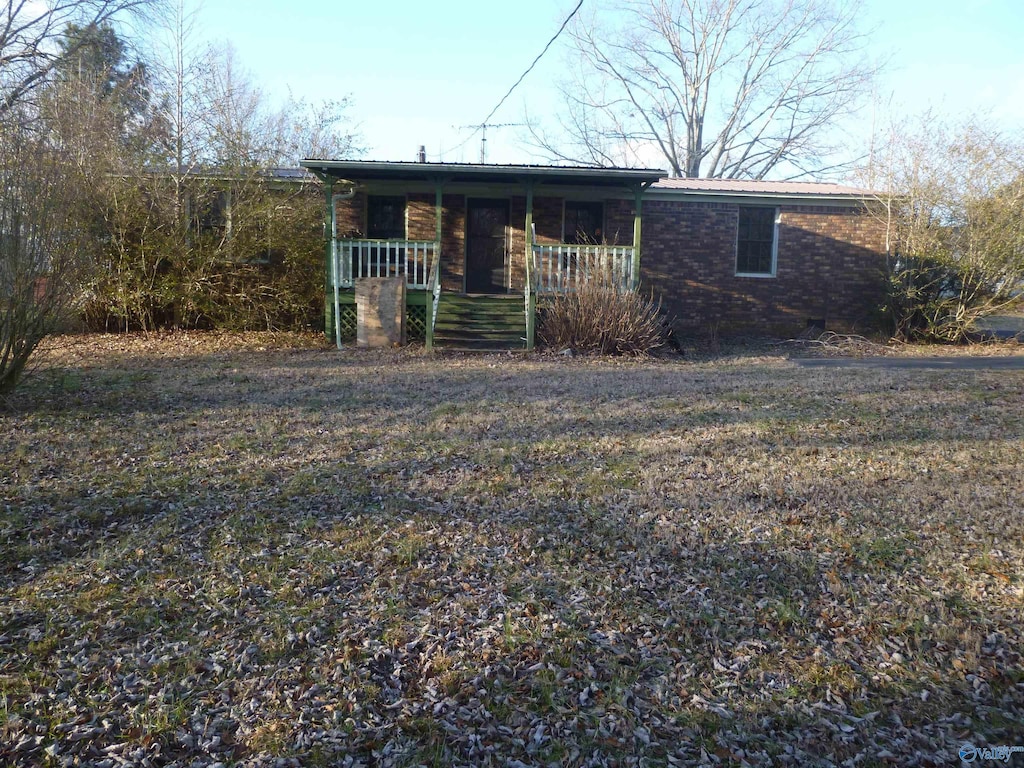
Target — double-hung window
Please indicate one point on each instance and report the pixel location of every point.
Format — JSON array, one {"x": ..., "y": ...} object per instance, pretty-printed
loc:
[{"x": 757, "y": 241}]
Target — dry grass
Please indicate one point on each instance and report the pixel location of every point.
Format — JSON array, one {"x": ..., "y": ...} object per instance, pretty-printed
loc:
[{"x": 238, "y": 550}]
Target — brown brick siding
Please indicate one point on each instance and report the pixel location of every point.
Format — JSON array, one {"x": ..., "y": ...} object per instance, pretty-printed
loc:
[
  {"x": 547, "y": 219},
  {"x": 828, "y": 268},
  {"x": 350, "y": 216},
  {"x": 618, "y": 222},
  {"x": 419, "y": 213},
  {"x": 829, "y": 265},
  {"x": 453, "y": 243}
]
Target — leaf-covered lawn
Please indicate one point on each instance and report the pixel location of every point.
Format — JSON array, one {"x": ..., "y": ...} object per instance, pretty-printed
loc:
[{"x": 259, "y": 550}]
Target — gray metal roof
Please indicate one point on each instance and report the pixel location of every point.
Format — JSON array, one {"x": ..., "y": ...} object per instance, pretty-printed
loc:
[
  {"x": 755, "y": 188},
  {"x": 358, "y": 170},
  {"x": 559, "y": 175}
]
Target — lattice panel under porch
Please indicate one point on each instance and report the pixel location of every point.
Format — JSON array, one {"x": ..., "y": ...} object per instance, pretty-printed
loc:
[
  {"x": 347, "y": 322},
  {"x": 416, "y": 323}
]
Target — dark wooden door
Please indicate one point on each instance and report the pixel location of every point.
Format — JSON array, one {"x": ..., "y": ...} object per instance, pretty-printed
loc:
[{"x": 486, "y": 246}]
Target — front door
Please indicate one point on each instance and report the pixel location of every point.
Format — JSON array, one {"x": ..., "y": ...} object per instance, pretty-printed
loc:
[{"x": 486, "y": 246}]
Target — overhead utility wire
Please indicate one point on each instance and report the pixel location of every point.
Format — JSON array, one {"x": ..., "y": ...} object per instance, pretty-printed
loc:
[
  {"x": 539, "y": 57},
  {"x": 522, "y": 77}
]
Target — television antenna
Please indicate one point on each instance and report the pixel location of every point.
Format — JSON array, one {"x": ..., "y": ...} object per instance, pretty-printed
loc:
[{"x": 481, "y": 128}]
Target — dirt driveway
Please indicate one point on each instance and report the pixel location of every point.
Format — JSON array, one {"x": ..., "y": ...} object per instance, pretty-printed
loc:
[{"x": 965, "y": 363}]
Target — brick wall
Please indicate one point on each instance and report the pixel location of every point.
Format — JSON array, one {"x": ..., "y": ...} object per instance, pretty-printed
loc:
[
  {"x": 618, "y": 222},
  {"x": 547, "y": 219},
  {"x": 517, "y": 242},
  {"x": 350, "y": 216},
  {"x": 453, "y": 243},
  {"x": 829, "y": 268},
  {"x": 420, "y": 219}
]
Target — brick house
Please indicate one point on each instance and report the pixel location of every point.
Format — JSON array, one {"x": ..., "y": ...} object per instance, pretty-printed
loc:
[
  {"x": 480, "y": 245},
  {"x": 764, "y": 256}
]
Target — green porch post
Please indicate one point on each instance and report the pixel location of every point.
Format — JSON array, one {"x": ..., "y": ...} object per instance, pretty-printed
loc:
[
  {"x": 330, "y": 320},
  {"x": 530, "y": 309},
  {"x": 638, "y": 201}
]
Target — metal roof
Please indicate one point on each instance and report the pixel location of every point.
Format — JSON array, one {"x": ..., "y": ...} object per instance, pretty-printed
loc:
[
  {"x": 753, "y": 188},
  {"x": 555, "y": 175},
  {"x": 298, "y": 174},
  {"x": 213, "y": 173},
  {"x": 374, "y": 170}
]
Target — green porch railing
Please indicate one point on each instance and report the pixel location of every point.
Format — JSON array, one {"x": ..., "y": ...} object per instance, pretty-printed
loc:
[
  {"x": 354, "y": 259},
  {"x": 418, "y": 260},
  {"x": 564, "y": 266}
]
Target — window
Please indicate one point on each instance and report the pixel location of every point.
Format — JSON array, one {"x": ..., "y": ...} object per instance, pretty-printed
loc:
[
  {"x": 212, "y": 212},
  {"x": 756, "y": 243},
  {"x": 583, "y": 223},
  {"x": 385, "y": 217}
]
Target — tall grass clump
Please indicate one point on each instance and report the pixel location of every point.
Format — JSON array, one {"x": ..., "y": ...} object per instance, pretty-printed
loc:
[{"x": 600, "y": 317}]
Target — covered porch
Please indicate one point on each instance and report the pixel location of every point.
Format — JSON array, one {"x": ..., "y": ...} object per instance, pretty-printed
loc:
[{"x": 506, "y": 232}]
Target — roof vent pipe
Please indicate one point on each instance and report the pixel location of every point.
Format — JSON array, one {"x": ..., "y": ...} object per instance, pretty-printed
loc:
[{"x": 422, "y": 156}]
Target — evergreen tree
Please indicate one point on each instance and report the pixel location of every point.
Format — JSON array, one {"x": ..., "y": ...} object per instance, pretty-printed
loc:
[{"x": 95, "y": 64}]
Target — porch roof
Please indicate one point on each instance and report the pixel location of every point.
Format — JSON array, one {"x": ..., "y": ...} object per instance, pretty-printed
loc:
[{"x": 357, "y": 170}]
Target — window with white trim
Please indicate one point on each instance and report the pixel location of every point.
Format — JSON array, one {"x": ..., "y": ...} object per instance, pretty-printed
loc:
[{"x": 757, "y": 241}]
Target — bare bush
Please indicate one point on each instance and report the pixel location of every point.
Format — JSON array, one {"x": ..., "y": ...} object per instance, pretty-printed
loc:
[
  {"x": 599, "y": 317},
  {"x": 953, "y": 202},
  {"x": 42, "y": 259}
]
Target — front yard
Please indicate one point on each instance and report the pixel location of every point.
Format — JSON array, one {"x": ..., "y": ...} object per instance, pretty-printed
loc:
[{"x": 248, "y": 551}]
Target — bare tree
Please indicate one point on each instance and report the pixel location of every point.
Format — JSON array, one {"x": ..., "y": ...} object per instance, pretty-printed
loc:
[
  {"x": 41, "y": 245},
  {"x": 322, "y": 129},
  {"x": 47, "y": 166},
  {"x": 238, "y": 127},
  {"x": 244, "y": 137},
  {"x": 717, "y": 88},
  {"x": 952, "y": 197},
  {"x": 28, "y": 33},
  {"x": 243, "y": 128},
  {"x": 215, "y": 236}
]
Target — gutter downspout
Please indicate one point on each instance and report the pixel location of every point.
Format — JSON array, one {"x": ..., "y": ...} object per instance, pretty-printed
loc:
[
  {"x": 348, "y": 194},
  {"x": 434, "y": 282},
  {"x": 332, "y": 310},
  {"x": 530, "y": 308},
  {"x": 330, "y": 315}
]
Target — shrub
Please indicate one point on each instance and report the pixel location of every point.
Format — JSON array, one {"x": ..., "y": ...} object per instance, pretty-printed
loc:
[
  {"x": 42, "y": 261},
  {"x": 601, "y": 318},
  {"x": 255, "y": 263},
  {"x": 938, "y": 298},
  {"x": 954, "y": 209}
]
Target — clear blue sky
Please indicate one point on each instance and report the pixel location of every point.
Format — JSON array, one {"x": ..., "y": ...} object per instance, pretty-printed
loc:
[{"x": 415, "y": 69}]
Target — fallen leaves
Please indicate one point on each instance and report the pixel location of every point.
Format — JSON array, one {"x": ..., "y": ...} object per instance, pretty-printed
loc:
[{"x": 220, "y": 550}]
